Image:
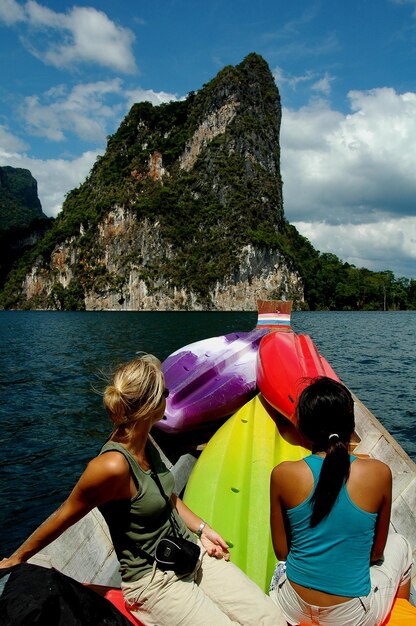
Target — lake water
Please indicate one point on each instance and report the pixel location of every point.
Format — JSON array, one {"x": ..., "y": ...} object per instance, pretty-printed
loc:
[{"x": 52, "y": 366}]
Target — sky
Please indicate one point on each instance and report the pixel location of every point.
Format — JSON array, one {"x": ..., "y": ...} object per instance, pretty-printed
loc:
[{"x": 70, "y": 72}]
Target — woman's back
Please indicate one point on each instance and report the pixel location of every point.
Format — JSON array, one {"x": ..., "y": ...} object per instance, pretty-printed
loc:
[
  {"x": 334, "y": 555},
  {"x": 367, "y": 484},
  {"x": 337, "y": 552}
]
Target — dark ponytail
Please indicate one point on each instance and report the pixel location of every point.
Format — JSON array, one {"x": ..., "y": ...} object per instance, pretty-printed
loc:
[{"x": 325, "y": 414}]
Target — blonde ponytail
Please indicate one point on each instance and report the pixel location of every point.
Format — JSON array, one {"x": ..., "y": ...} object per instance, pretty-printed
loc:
[
  {"x": 113, "y": 401},
  {"x": 135, "y": 391}
]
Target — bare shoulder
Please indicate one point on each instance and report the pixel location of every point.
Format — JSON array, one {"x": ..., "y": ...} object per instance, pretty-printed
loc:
[
  {"x": 370, "y": 484},
  {"x": 289, "y": 473},
  {"x": 109, "y": 468},
  {"x": 110, "y": 463},
  {"x": 286, "y": 469},
  {"x": 106, "y": 477},
  {"x": 372, "y": 470},
  {"x": 292, "y": 482}
]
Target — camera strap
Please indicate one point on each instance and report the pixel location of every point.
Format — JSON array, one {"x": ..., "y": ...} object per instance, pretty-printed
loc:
[{"x": 168, "y": 501}]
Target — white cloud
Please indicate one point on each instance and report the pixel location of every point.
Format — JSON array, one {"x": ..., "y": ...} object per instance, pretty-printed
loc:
[
  {"x": 39, "y": 15},
  {"x": 9, "y": 143},
  {"x": 349, "y": 183},
  {"x": 318, "y": 83},
  {"x": 89, "y": 111},
  {"x": 282, "y": 78},
  {"x": 352, "y": 167},
  {"x": 55, "y": 177},
  {"x": 84, "y": 111},
  {"x": 323, "y": 85},
  {"x": 11, "y": 12},
  {"x": 388, "y": 244},
  {"x": 148, "y": 95},
  {"x": 82, "y": 35}
]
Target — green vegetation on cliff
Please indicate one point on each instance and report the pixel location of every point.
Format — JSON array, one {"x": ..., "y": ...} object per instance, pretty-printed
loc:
[
  {"x": 205, "y": 213},
  {"x": 204, "y": 175}
]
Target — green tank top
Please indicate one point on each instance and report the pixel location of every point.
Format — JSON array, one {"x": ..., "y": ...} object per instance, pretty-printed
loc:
[{"x": 140, "y": 522}]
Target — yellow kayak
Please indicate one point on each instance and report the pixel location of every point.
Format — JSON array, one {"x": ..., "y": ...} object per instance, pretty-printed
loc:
[{"x": 229, "y": 485}]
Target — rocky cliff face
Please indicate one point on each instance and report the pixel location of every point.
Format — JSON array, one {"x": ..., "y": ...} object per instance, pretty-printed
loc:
[{"x": 184, "y": 211}]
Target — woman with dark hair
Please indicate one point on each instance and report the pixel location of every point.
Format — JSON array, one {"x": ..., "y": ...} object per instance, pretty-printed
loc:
[{"x": 330, "y": 515}]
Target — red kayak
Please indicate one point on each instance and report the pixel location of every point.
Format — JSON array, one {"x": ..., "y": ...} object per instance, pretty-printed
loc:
[{"x": 285, "y": 366}]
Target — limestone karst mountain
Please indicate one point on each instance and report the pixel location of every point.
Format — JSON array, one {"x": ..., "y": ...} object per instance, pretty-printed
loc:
[{"x": 183, "y": 211}]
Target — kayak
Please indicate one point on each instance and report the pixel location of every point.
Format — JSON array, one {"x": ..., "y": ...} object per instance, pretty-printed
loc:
[
  {"x": 286, "y": 364},
  {"x": 229, "y": 485},
  {"x": 209, "y": 379}
]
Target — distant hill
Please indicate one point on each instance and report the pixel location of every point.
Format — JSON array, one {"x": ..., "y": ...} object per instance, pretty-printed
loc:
[
  {"x": 19, "y": 202},
  {"x": 22, "y": 221}
]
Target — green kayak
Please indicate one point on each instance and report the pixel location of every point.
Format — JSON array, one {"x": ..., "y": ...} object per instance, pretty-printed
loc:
[{"x": 229, "y": 485}]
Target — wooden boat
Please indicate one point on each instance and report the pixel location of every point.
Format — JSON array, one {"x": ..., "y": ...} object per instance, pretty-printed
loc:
[
  {"x": 235, "y": 495},
  {"x": 85, "y": 551}
]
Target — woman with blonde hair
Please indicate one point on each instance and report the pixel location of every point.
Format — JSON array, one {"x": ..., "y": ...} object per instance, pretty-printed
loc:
[
  {"x": 330, "y": 515},
  {"x": 133, "y": 489}
]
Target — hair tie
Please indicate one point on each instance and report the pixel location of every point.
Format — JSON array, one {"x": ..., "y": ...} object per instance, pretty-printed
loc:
[{"x": 334, "y": 435}]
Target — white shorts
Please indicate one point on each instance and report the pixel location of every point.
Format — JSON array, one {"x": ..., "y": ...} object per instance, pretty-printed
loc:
[{"x": 370, "y": 610}]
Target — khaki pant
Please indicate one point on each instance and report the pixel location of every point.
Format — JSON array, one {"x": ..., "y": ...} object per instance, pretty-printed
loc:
[{"x": 217, "y": 593}]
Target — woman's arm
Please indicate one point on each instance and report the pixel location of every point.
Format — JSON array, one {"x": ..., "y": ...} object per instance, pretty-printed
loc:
[
  {"x": 280, "y": 537},
  {"x": 214, "y": 544},
  {"x": 104, "y": 479},
  {"x": 384, "y": 479}
]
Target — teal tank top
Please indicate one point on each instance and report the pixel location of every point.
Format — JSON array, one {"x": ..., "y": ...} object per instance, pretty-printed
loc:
[
  {"x": 334, "y": 556},
  {"x": 141, "y": 521}
]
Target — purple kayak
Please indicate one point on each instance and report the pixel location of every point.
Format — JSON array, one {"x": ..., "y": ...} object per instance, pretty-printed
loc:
[{"x": 209, "y": 379}]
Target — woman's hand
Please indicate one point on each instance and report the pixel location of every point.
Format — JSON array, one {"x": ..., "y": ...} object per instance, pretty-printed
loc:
[
  {"x": 10, "y": 561},
  {"x": 214, "y": 544}
]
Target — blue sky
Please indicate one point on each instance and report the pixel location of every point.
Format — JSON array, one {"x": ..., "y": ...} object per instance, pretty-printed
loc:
[{"x": 345, "y": 71}]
